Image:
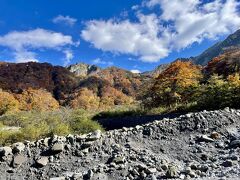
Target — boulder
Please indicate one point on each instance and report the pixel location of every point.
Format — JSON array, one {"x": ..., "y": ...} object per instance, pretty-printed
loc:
[
  {"x": 18, "y": 147},
  {"x": 18, "y": 160},
  {"x": 5, "y": 151},
  {"x": 57, "y": 148},
  {"x": 43, "y": 161},
  {"x": 205, "y": 138},
  {"x": 57, "y": 178},
  {"x": 94, "y": 136},
  {"x": 235, "y": 144}
]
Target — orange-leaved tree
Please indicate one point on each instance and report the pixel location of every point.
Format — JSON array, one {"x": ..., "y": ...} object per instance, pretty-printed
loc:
[
  {"x": 36, "y": 99},
  {"x": 174, "y": 85},
  {"x": 7, "y": 102}
]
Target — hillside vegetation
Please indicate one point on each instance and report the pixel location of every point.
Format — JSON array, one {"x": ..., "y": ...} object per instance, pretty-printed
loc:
[
  {"x": 184, "y": 86},
  {"x": 42, "y": 100}
]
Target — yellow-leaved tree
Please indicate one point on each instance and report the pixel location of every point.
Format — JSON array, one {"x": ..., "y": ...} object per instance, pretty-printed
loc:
[
  {"x": 173, "y": 86},
  {"x": 7, "y": 102}
]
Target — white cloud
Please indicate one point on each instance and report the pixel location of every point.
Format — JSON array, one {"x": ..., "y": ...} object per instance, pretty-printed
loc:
[
  {"x": 68, "y": 56},
  {"x": 67, "y": 20},
  {"x": 135, "y": 71},
  {"x": 100, "y": 61},
  {"x": 23, "y": 42},
  {"x": 177, "y": 25},
  {"x": 140, "y": 39},
  {"x": 25, "y": 56}
]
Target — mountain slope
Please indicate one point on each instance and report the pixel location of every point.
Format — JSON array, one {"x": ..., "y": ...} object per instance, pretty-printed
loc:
[
  {"x": 225, "y": 64},
  {"x": 85, "y": 87},
  {"x": 217, "y": 49},
  {"x": 15, "y": 77}
]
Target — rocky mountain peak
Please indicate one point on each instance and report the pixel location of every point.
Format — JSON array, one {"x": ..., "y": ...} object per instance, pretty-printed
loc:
[{"x": 82, "y": 69}]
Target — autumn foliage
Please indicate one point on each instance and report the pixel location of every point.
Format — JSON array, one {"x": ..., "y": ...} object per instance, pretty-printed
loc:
[
  {"x": 173, "y": 85},
  {"x": 29, "y": 99},
  {"x": 7, "y": 102},
  {"x": 184, "y": 85}
]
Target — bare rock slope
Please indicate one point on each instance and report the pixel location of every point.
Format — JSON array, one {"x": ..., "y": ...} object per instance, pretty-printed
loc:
[{"x": 204, "y": 145}]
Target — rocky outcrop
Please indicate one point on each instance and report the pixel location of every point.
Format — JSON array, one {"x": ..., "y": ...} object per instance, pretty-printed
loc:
[
  {"x": 202, "y": 145},
  {"x": 83, "y": 70}
]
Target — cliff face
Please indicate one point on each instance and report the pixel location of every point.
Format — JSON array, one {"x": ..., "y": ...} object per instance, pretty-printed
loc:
[{"x": 83, "y": 70}]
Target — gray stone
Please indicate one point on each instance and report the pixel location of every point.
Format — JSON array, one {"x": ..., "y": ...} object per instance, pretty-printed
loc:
[
  {"x": 227, "y": 163},
  {"x": 205, "y": 138},
  {"x": 58, "y": 178},
  {"x": 150, "y": 170},
  {"x": 43, "y": 161},
  {"x": 119, "y": 160},
  {"x": 235, "y": 144},
  {"x": 57, "y": 148},
  {"x": 18, "y": 160},
  {"x": 5, "y": 151},
  {"x": 70, "y": 139},
  {"x": 94, "y": 136},
  {"x": 18, "y": 147}
]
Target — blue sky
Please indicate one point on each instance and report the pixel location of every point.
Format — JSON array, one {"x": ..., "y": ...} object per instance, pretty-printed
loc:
[{"x": 132, "y": 34}]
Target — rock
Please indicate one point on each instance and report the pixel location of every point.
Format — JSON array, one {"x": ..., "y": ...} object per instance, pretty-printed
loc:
[
  {"x": 5, "y": 151},
  {"x": 119, "y": 160},
  {"x": 57, "y": 148},
  {"x": 57, "y": 178},
  {"x": 235, "y": 144},
  {"x": 70, "y": 139},
  {"x": 94, "y": 136},
  {"x": 18, "y": 160},
  {"x": 172, "y": 172},
  {"x": 18, "y": 147},
  {"x": 150, "y": 170},
  {"x": 153, "y": 177},
  {"x": 80, "y": 138},
  {"x": 227, "y": 163},
  {"x": 215, "y": 135},
  {"x": 204, "y": 157},
  {"x": 203, "y": 168},
  {"x": 205, "y": 138},
  {"x": 86, "y": 145},
  {"x": 142, "y": 167},
  {"x": 10, "y": 170},
  {"x": 77, "y": 176},
  {"x": 99, "y": 176},
  {"x": 43, "y": 161},
  {"x": 90, "y": 174}
]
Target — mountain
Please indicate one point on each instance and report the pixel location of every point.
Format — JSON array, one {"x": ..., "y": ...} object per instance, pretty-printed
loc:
[
  {"x": 106, "y": 88},
  {"x": 78, "y": 86},
  {"x": 217, "y": 49},
  {"x": 225, "y": 64},
  {"x": 16, "y": 77},
  {"x": 159, "y": 69},
  {"x": 83, "y": 70}
]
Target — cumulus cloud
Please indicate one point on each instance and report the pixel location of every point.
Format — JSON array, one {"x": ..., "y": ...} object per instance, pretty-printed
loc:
[
  {"x": 23, "y": 42},
  {"x": 66, "y": 20},
  {"x": 68, "y": 56},
  {"x": 140, "y": 39},
  {"x": 102, "y": 62},
  {"x": 135, "y": 71},
  {"x": 176, "y": 25}
]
